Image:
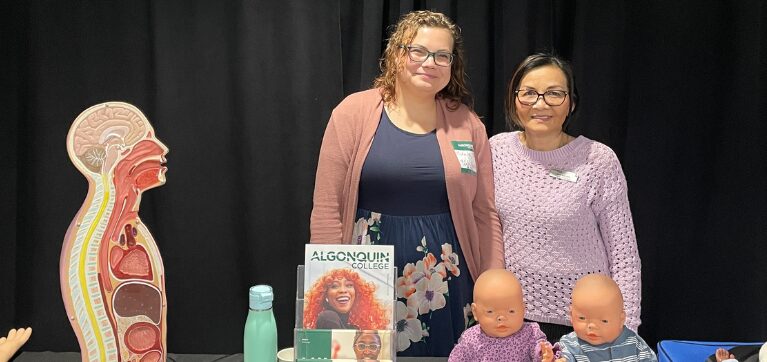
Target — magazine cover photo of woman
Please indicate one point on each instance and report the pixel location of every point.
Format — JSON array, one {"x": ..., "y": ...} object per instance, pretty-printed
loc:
[{"x": 341, "y": 299}]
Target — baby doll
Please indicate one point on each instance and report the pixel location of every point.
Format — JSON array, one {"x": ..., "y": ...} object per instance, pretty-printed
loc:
[
  {"x": 502, "y": 333},
  {"x": 11, "y": 343},
  {"x": 597, "y": 315}
]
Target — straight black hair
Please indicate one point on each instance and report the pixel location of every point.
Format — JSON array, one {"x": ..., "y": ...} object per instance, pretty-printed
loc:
[{"x": 534, "y": 61}]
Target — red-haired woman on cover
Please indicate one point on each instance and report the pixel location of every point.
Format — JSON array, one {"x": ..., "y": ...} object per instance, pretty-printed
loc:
[{"x": 341, "y": 299}]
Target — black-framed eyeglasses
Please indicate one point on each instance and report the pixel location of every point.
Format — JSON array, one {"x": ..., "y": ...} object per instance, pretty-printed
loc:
[
  {"x": 372, "y": 346},
  {"x": 553, "y": 98},
  {"x": 419, "y": 54}
]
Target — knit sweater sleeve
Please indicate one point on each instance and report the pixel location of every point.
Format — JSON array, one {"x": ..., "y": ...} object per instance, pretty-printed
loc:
[
  {"x": 611, "y": 207},
  {"x": 485, "y": 213},
  {"x": 334, "y": 159}
]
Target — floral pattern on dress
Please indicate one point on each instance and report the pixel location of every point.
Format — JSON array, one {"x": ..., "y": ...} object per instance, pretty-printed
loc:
[
  {"x": 408, "y": 326},
  {"x": 421, "y": 288},
  {"x": 367, "y": 231}
]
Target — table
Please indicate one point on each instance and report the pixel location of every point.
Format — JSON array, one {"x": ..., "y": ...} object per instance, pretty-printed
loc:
[{"x": 173, "y": 357}]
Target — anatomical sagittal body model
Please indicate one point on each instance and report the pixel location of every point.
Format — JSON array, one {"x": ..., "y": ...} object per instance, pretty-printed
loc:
[{"x": 112, "y": 276}]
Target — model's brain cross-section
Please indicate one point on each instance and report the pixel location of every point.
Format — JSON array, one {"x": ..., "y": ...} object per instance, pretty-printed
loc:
[{"x": 108, "y": 125}]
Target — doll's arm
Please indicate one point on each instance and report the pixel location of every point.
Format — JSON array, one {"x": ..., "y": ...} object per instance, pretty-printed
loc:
[
  {"x": 462, "y": 352},
  {"x": 10, "y": 344},
  {"x": 548, "y": 353},
  {"x": 723, "y": 355}
]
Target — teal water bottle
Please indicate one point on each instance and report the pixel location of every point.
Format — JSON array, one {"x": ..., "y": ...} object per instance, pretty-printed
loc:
[{"x": 260, "y": 328}]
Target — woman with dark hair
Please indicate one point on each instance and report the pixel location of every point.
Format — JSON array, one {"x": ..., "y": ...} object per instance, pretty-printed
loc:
[
  {"x": 367, "y": 345},
  {"x": 562, "y": 200},
  {"x": 410, "y": 162}
]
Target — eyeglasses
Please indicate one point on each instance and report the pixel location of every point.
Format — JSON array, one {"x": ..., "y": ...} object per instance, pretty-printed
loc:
[
  {"x": 372, "y": 347},
  {"x": 420, "y": 54},
  {"x": 529, "y": 97}
]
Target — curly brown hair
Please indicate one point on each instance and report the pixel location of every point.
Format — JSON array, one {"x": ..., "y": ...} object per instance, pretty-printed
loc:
[{"x": 456, "y": 91}]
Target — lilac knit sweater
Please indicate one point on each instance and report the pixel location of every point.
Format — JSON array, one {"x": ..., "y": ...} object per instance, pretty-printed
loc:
[{"x": 556, "y": 231}]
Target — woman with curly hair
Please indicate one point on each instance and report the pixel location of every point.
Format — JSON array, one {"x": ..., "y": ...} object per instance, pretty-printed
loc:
[
  {"x": 409, "y": 161},
  {"x": 341, "y": 299}
]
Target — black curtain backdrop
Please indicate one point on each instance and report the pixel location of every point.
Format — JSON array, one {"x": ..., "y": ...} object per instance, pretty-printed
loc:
[{"x": 241, "y": 92}]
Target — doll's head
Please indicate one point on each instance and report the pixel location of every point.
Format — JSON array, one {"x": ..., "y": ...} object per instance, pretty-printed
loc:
[
  {"x": 597, "y": 309},
  {"x": 498, "y": 305}
]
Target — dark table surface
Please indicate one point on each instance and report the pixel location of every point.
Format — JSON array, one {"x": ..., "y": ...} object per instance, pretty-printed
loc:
[{"x": 173, "y": 357}]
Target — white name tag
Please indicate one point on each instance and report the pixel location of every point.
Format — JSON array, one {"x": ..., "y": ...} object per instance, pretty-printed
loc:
[
  {"x": 464, "y": 150},
  {"x": 563, "y": 175}
]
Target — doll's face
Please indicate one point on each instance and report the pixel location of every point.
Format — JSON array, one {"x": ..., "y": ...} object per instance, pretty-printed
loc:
[
  {"x": 597, "y": 316},
  {"x": 340, "y": 295},
  {"x": 499, "y": 314}
]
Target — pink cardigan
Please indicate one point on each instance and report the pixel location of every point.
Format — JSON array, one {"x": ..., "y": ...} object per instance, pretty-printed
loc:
[{"x": 345, "y": 146}]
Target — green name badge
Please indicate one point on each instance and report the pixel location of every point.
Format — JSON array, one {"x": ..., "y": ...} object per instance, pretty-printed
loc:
[{"x": 464, "y": 150}]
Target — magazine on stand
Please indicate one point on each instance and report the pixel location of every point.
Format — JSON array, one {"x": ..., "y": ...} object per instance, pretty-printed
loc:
[{"x": 348, "y": 305}]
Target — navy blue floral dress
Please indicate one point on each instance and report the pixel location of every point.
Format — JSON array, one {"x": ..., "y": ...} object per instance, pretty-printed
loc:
[{"x": 403, "y": 202}]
